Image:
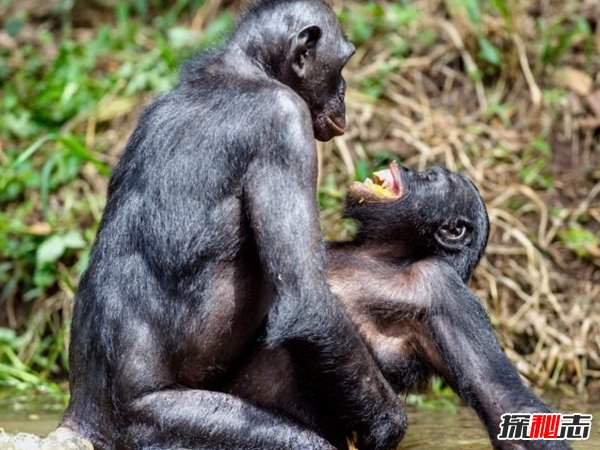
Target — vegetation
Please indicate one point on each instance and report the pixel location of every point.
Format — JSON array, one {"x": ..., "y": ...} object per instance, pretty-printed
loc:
[{"x": 507, "y": 91}]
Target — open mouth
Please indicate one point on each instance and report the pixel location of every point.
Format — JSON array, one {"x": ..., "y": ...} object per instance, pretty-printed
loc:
[
  {"x": 338, "y": 129},
  {"x": 385, "y": 185}
]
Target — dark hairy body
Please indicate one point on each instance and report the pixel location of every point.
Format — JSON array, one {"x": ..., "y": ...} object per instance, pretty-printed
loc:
[
  {"x": 404, "y": 283},
  {"x": 209, "y": 240}
]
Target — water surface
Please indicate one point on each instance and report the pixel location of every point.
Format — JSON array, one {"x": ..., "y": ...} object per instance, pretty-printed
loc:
[{"x": 441, "y": 429}]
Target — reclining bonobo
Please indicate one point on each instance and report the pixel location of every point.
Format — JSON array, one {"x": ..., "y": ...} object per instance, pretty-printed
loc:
[{"x": 403, "y": 281}]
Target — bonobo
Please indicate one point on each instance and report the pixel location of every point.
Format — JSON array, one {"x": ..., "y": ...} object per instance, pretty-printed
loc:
[
  {"x": 403, "y": 281},
  {"x": 210, "y": 238}
]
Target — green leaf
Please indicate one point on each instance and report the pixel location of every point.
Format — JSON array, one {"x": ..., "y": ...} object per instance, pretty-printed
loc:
[
  {"x": 502, "y": 8},
  {"x": 54, "y": 247},
  {"x": 81, "y": 151},
  {"x": 579, "y": 240},
  {"x": 362, "y": 170},
  {"x": 45, "y": 182},
  {"x": 50, "y": 250},
  {"x": 473, "y": 10},
  {"x": 32, "y": 149},
  {"x": 531, "y": 172},
  {"x": 7, "y": 336},
  {"x": 181, "y": 37},
  {"x": 362, "y": 30},
  {"x": 401, "y": 15},
  {"x": 73, "y": 239},
  {"x": 489, "y": 52},
  {"x": 541, "y": 145}
]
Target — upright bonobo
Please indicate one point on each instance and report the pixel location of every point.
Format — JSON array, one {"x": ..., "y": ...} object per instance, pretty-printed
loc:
[
  {"x": 403, "y": 281},
  {"x": 210, "y": 239}
]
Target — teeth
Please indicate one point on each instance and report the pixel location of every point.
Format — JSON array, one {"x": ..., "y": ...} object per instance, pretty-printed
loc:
[
  {"x": 384, "y": 184},
  {"x": 378, "y": 189},
  {"x": 386, "y": 179}
]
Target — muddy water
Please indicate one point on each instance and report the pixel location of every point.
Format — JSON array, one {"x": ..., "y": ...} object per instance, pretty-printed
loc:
[{"x": 439, "y": 429}]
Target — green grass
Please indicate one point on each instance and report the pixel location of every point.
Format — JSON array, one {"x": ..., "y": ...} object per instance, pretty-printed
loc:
[{"x": 52, "y": 86}]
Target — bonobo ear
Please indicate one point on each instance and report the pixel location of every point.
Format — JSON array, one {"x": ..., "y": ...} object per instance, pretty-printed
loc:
[{"x": 303, "y": 48}]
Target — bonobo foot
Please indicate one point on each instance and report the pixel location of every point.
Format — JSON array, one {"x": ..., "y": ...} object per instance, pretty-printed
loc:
[{"x": 386, "y": 433}]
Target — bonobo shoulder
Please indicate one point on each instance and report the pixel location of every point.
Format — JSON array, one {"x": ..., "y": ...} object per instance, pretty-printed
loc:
[
  {"x": 290, "y": 107},
  {"x": 285, "y": 119},
  {"x": 285, "y": 130}
]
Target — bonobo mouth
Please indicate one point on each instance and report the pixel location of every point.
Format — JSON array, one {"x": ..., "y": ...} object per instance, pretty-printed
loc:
[
  {"x": 338, "y": 129},
  {"x": 384, "y": 186}
]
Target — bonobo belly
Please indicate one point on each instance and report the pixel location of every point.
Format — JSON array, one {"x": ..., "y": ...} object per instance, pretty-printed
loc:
[{"x": 233, "y": 312}]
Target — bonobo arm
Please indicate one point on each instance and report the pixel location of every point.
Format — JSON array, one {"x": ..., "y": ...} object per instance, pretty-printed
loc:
[
  {"x": 424, "y": 313},
  {"x": 473, "y": 362},
  {"x": 304, "y": 315}
]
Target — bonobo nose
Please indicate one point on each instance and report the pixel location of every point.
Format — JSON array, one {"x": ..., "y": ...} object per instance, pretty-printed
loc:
[
  {"x": 433, "y": 173},
  {"x": 428, "y": 175}
]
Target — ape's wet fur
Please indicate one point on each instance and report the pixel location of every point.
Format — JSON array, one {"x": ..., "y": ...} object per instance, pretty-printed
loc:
[
  {"x": 210, "y": 245},
  {"x": 403, "y": 281},
  {"x": 210, "y": 238}
]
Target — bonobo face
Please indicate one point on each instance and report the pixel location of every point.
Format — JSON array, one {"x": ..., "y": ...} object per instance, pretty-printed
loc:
[
  {"x": 313, "y": 68},
  {"x": 436, "y": 212},
  {"x": 301, "y": 44}
]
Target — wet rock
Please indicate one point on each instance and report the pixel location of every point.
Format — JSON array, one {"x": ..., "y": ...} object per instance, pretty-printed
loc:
[
  {"x": 65, "y": 439},
  {"x": 24, "y": 441},
  {"x": 61, "y": 439},
  {"x": 5, "y": 441}
]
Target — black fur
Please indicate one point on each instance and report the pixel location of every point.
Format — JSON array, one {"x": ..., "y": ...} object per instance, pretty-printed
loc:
[
  {"x": 210, "y": 236},
  {"x": 405, "y": 287}
]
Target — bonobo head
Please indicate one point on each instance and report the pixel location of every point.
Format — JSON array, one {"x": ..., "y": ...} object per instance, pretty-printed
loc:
[
  {"x": 433, "y": 213},
  {"x": 301, "y": 44}
]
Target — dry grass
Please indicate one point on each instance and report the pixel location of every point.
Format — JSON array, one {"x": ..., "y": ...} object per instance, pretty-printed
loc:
[{"x": 544, "y": 299}]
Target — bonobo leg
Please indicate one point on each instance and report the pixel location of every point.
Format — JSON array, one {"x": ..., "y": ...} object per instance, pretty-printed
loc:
[
  {"x": 466, "y": 353},
  {"x": 193, "y": 419}
]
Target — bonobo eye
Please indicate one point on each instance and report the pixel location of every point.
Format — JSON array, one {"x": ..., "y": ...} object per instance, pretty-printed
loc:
[{"x": 452, "y": 232}]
